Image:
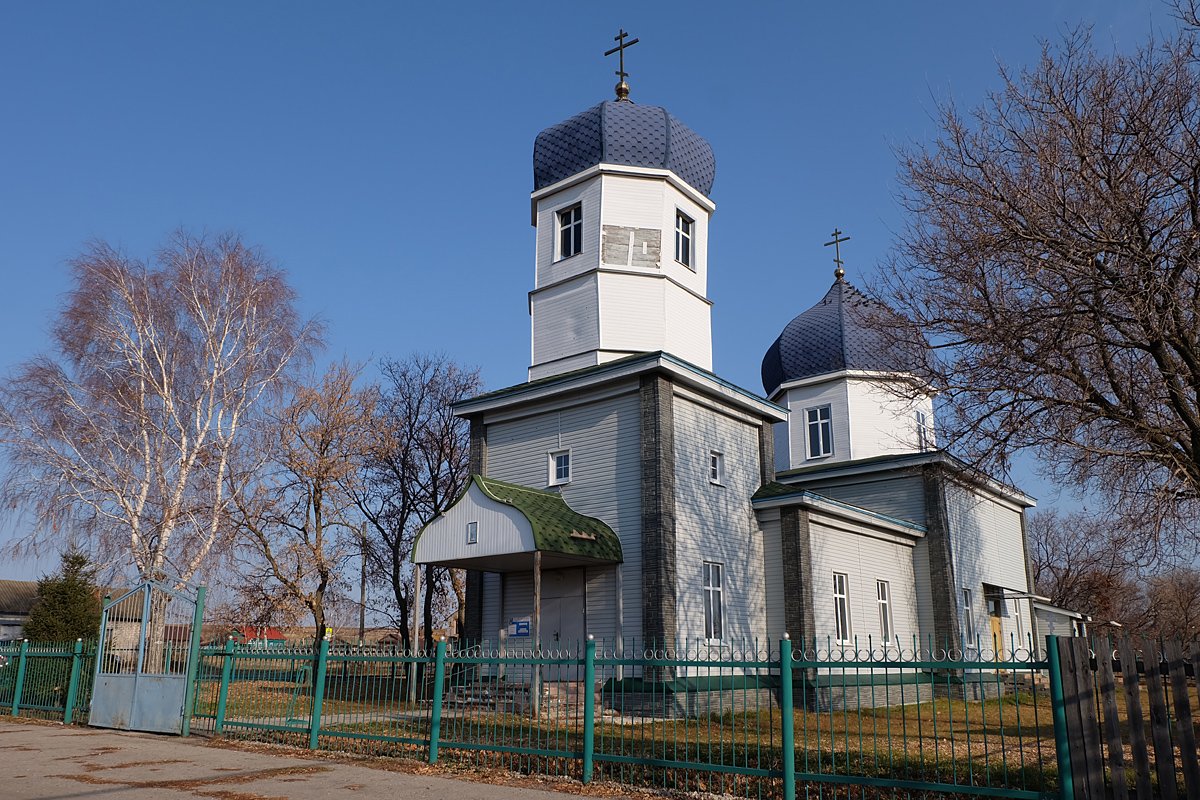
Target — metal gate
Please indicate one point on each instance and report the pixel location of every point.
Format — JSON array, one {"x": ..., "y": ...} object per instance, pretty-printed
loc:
[{"x": 146, "y": 661}]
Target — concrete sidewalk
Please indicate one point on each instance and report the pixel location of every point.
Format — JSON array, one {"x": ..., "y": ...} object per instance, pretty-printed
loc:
[{"x": 52, "y": 762}]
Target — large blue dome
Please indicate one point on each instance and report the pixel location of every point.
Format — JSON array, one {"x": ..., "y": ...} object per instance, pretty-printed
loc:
[
  {"x": 622, "y": 132},
  {"x": 838, "y": 333}
]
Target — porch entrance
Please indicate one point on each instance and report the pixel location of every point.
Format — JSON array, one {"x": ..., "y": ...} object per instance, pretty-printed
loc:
[{"x": 146, "y": 658}]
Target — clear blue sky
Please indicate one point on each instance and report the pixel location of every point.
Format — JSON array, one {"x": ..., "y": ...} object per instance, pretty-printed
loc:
[{"x": 381, "y": 151}]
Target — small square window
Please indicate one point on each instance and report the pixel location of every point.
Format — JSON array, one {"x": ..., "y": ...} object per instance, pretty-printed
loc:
[
  {"x": 560, "y": 467},
  {"x": 820, "y": 431},
  {"x": 472, "y": 533},
  {"x": 570, "y": 231},
  {"x": 683, "y": 239},
  {"x": 716, "y": 467}
]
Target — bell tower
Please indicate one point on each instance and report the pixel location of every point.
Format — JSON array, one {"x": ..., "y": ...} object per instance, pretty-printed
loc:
[{"x": 620, "y": 203}]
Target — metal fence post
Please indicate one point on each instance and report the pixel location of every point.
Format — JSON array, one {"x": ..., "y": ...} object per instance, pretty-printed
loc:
[
  {"x": 318, "y": 696},
  {"x": 223, "y": 692},
  {"x": 1062, "y": 748},
  {"x": 435, "y": 714},
  {"x": 20, "y": 685},
  {"x": 589, "y": 707},
  {"x": 193, "y": 662},
  {"x": 73, "y": 684},
  {"x": 787, "y": 740}
]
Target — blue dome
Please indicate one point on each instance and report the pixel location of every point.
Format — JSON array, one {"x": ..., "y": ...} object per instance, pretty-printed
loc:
[
  {"x": 838, "y": 333},
  {"x": 622, "y": 132}
]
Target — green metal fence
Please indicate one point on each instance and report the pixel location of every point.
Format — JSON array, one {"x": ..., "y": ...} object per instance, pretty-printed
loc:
[
  {"x": 748, "y": 720},
  {"x": 47, "y": 680}
]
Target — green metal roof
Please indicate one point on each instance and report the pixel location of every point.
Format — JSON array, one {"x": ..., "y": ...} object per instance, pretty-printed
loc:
[{"x": 557, "y": 528}]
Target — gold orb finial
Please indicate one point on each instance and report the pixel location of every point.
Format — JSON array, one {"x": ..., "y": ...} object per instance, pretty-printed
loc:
[
  {"x": 622, "y": 87},
  {"x": 622, "y": 90}
]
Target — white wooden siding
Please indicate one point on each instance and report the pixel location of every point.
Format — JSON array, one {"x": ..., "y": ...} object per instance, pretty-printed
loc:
[
  {"x": 901, "y": 497},
  {"x": 502, "y": 529},
  {"x": 565, "y": 320},
  {"x": 864, "y": 560},
  {"x": 605, "y": 442},
  {"x": 832, "y": 394},
  {"x": 632, "y": 312},
  {"x": 987, "y": 547},
  {"x": 883, "y": 421},
  {"x": 696, "y": 278},
  {"x": 772, "y": 551},
  {"x": 688, "y": 326},
  {"x": 548, "y": 270},
  {"x": 715, "y": 523}
]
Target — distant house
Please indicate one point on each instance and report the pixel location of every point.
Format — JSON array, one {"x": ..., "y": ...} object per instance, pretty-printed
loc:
[
  {"x": 1060, "y": 621},
  {"x": 263, "y": 636},
  {"x": 16, "y": 601}
]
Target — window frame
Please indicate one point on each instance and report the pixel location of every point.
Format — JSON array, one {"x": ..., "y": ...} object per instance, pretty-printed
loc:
[
  {"x": 924, "y": 440},
  {"x": 472, "y": 533},
  {"x": 716, "y": 467},
  {"x": 713, "y": 597},
  {"x": 970, "y": 632},
  {"x": 823, "y": 427},
  {"x": 887, "y": 621},
  {"x": 568, "y": 218},
  {"x": 685, "y": 240},
  {"x": 552, "y": 478},
  {"x": 843, "y": 622}
]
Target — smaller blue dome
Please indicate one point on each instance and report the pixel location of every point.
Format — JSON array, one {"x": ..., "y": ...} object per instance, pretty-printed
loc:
[
  {"x": 838, "y": 333},
  {"x": 622, "y": 132}
]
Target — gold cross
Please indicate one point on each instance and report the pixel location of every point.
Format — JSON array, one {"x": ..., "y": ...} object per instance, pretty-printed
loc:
[
  {"x": 622, "y": 86},
  {"x": 838, "y": 273}
]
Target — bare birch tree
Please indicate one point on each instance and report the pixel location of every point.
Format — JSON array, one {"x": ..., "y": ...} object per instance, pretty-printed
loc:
[
  {"x": 128, "y": 427},
  {"x": 296, "y": 521},
  {"x": 1051, "y": 260},
  {"x": 417, "y": 467}
]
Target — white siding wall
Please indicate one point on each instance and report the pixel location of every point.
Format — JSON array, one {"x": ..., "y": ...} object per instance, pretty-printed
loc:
[
  {"x": 605, "y": 442},
  {"x": 502, "y": 529},
  {"x": 988, "y": 548},
  {"x": 715, "y": 522},
  {"x": 831, "y": 393},
  {"x": 632, "y": 312},
  {"x": 548, "y": 269},
  {"x": 864, "y": 560},
  {"x": 689, "y": 326},
  {"x": 901, "y": 497},
  {"x": 772, "y": 547},
  {"x": 695, "y": 279},
  {"x": 883, "y": 422},
  {"x": 565, "y": 320}
]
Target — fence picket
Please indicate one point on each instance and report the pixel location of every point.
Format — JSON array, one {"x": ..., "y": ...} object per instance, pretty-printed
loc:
[
  {"x": 1160, "y": 722},
  {"x": 1131, "y": 683},
  {"x": 1185, "y": 736},
  {"x": 1107, "y": 686}
]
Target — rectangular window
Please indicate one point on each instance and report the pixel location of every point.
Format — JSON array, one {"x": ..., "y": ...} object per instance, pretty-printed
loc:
[
  {"x": 683, "y": 239},
  {"x": 714, "y": 624},
  {"x": 820, "y": 432},
  {"x": 472, "y": 533},
  {"x": 716, "y": 467},
  {"x": 968, "y": 615},
  {"x": 924, "y": 434},
  {"x": 883, "y": 593},
  {"x": 570, "y": 231},
  {"x": 560, "y": 467},
  {"x": 841, "y": 606}
]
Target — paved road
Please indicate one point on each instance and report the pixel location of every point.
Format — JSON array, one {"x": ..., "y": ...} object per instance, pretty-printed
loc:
[{"x": 52, "y": 762}]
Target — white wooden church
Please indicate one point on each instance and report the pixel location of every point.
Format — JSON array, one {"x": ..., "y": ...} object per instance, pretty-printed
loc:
[{"x": 627, "y": 492}]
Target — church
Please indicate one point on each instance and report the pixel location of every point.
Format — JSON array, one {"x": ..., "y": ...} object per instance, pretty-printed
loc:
[{"x": 627, "y": 492}]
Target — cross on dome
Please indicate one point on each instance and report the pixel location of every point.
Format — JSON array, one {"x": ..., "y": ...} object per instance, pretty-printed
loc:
[
  {"x": 622, "y": 87},
  {"x": 838, "y": 272}
]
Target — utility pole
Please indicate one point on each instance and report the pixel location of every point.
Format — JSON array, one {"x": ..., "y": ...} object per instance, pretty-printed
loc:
[{"x": 362, "y": 586}]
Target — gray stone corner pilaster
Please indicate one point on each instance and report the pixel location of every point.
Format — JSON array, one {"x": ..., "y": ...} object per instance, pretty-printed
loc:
[{"x": 658, "y": 511}]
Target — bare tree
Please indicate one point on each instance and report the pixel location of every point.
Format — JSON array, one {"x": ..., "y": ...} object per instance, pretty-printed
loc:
[
  {"x": 296, "y": 522},
  {"x": 1051, "y": 260},
  {"x": 1173, "y": 604},
  {"x": 1090, "y": 564},
  {"x": 128, "y": 428},
  {"x": 419, "y": 464}
]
